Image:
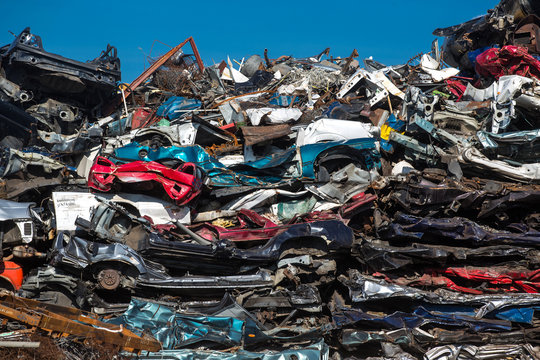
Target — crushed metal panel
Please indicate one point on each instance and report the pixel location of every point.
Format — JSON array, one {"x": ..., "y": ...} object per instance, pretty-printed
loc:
[
  {"x": 10, "y": 210},
  {"x": 68, "y": 206},
  {"x": 256, "y": 134}
]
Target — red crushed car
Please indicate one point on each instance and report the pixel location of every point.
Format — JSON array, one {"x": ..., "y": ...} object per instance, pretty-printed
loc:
[
  {"x": 255, "y": 227},
  {"x": 509, "y": 60},
  {"x": 182, "y": 183}
]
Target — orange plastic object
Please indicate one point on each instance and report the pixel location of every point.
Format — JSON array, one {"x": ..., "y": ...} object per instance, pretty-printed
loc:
[{"x": 12, "y": 273}]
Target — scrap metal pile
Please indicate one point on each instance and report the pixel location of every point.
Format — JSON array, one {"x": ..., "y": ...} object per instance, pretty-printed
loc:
[{"x": 277, "y": 208}]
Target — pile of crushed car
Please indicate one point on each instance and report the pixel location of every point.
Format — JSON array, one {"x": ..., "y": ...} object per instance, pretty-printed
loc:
[{"x": 276, "y": 208}]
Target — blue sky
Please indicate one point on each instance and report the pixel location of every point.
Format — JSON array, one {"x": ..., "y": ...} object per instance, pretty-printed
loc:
[{"x": 391, "y": 31}]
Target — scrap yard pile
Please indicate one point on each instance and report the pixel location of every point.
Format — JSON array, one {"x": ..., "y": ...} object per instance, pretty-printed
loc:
[{"x": 275, "y": 207}]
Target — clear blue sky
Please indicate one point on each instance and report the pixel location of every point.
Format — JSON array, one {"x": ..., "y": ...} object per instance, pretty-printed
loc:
[{"x": 391, "y": 31}]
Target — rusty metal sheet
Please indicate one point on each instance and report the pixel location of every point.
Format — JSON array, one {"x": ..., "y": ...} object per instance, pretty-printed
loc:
[
  {"x": 257, "y": 134},
  {"x": 66, "y": 321}
]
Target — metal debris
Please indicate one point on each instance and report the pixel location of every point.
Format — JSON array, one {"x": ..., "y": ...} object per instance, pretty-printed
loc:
[{"x": 287, "y": 208}]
